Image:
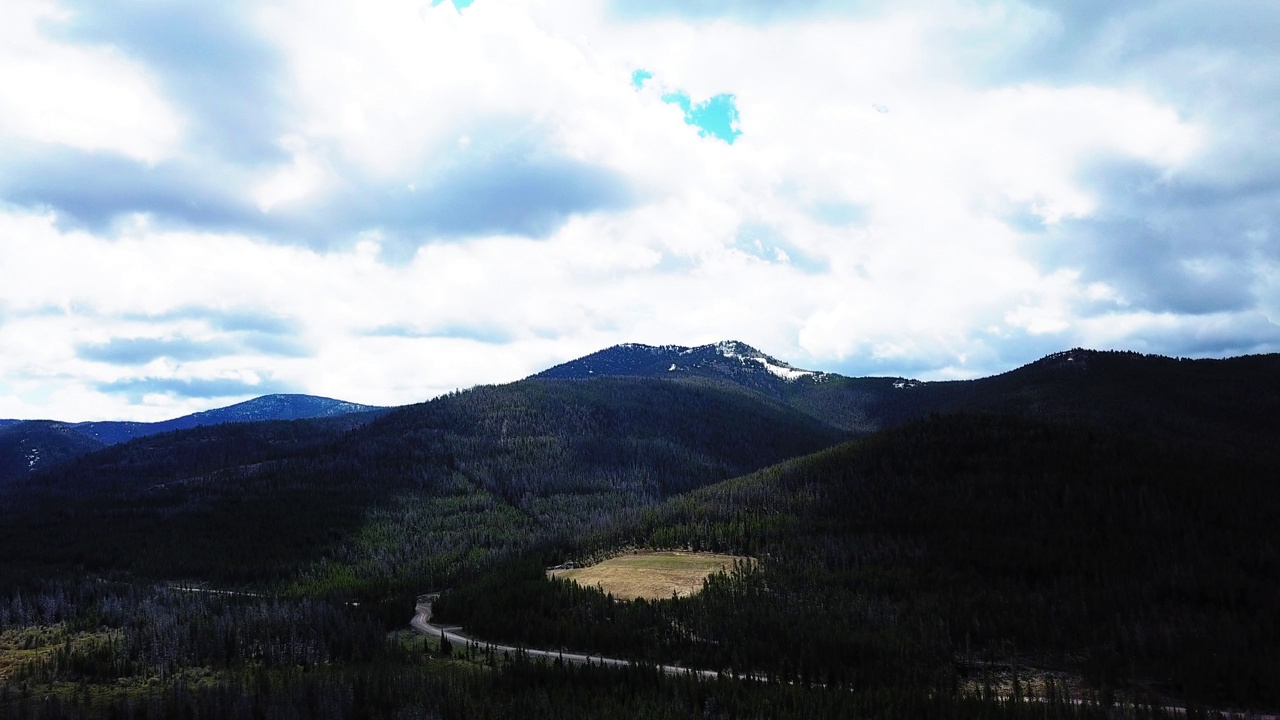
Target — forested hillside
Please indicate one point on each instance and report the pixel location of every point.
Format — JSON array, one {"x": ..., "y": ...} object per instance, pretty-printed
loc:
[
  {"x": 1231, "y": 404},
  {"x": 1091, "y": 528},
  {"x": 931, "y": 555},
  {"x": 405, "y": 501},
  {"x": 111, "y": 651},
  {"x": 30, "y": 445}
]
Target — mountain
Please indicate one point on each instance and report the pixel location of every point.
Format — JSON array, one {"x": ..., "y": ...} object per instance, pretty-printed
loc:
[
  {"x": 409, "y": 499},
  {"x": 730, "y": 360},
  {"x": 30, "y": 445},
  {"x": 1229, "y": 404},
  {"x": 26, "y": 445},
  {"x": 577, "y": 447},
  {"x": 1092, "y": 526},
  {"x": 267, "y": 407},
  {"x": 961, "y": 546},
  {"x": 848, "y": 403}
]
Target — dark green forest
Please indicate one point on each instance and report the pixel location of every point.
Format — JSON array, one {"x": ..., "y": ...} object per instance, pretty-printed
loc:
[
  {"x": 1078, "y": 538},
  {"x": 931, "y": 551},
  {"x": 402, "y": 503}
]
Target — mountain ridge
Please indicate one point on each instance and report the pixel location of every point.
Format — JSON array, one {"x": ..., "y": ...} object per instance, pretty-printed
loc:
[
  {"x": 1237, "y": 399},
  {"x": 276, "y": 406},
  {"x": 27, "y": 445},
  {"x": 658, "y": 360},
  {"x": 1038, "y": 513}
]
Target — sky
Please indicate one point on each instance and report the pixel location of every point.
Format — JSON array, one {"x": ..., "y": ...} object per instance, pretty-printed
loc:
[{"x": 384, "y": 201}]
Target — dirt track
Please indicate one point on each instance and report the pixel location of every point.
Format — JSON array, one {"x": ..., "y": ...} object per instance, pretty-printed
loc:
[{"x": 422, "y": 623}]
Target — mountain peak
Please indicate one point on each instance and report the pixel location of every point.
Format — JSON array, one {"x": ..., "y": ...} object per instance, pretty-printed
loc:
[
  {"x": 1076, "y": 358},
  {"x": 279, "y": 406},
  {"x": 736, "y": 349},
  {"x": 728, "y": 359}
]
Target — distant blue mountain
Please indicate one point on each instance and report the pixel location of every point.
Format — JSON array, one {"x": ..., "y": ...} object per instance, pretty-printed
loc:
[
  {"x": 27, "y": 445},
  {"x": 267, "y": 407}
]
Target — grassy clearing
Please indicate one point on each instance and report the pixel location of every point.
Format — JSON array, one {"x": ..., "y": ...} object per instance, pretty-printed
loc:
[
  {"x": 31, "y": 645},
  {"x": 651, "y": 575}
]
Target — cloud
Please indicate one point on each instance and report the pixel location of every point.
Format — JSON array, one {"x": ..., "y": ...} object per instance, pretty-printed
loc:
[
  {"x": 222, "y": 320},
  {"x": 90, "y": 97},
  {"x": 1206, "y": 335},
  {"x": 201, "y": 388},
  {"x": 511, "y": 192},
  {"x": 243, "y": 321},
  {"x": 518, "y": 191},
  {"x": 382, "y": 202},
  {"x": 1098, "y": 38},
  {"x": 95, "y": 189},
  {"x": 755, "y": 10},
  {"x": 766, "y": 243},
  {"x": 513, "y": 189},
  {"x": 212, "y": 63},
  {"x": 838, "y": 213},
  {"x": 140, "y": 351},
  {"x": 1172, "y": 244},
  {"x": 492, "y": 336},
  {"x": 265, "y": 343}
]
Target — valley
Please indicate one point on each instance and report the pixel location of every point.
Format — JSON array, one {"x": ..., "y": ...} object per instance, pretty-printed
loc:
[{"x": 1109, "y": 514}]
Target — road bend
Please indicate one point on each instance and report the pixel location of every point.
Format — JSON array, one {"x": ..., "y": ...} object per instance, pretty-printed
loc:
[{"x": 422, "y": 623}]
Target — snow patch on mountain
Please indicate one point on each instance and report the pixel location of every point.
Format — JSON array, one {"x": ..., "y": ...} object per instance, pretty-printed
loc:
[
  {"x": 786, "y": 372},
  {"x": 727, "y": 358}
]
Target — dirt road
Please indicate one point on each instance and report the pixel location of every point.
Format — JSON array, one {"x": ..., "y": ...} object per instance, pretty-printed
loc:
[{"x": 422, "y": 623}]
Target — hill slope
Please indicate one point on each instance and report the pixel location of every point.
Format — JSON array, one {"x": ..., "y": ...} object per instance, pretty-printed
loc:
[
  {"x": 937, "y": 553},
  {"x": 30, "y": 445},
  {"x": 437, "y": 487},
  {"x": 44, "y": 442},
  {"x": 1113, "y": 527},
  {"x": 1231, "y": 404},
  {"x": 729, "y": 360},
  {"x": 267, "y": 407}
]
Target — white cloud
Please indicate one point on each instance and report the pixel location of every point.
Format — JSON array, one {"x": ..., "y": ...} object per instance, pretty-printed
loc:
[
  {"x": 942, "y": 173},
  {"x": 86, "y": 97}
]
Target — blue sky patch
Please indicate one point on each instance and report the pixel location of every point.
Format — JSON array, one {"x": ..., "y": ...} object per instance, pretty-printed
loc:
[
  {"x": 716, "y": 116},
  {"x": 639, "y": 77},
  {"x": 764, "y": 242},
  {"x": 839, "y": 213},
  {"x": 459, "y": 4}
]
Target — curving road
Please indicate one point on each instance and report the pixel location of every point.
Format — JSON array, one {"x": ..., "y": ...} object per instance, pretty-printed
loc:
[{"x": 422, "y": 623}]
